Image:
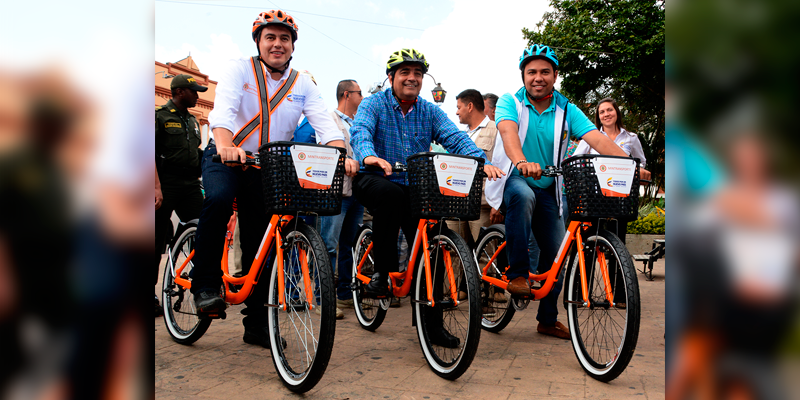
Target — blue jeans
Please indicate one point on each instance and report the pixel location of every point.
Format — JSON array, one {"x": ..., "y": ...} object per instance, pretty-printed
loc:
[
  {"x": 533, "y": 210},
  {"x": 341, "y": 230},
  {"x": 222, "y": 184}
]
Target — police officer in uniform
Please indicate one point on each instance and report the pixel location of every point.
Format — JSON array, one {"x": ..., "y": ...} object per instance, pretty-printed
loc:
[{"x": 177, "y": 162}]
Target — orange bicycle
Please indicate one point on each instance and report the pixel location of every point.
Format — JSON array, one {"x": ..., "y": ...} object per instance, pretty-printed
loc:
[
  {"x": 601, "y": 294},
  {"x": 441, "y": 277},
  {"x": 301, "y": 296}
]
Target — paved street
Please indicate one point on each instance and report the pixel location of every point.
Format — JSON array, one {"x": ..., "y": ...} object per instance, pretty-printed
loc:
[{"x": 518, "y": 363}]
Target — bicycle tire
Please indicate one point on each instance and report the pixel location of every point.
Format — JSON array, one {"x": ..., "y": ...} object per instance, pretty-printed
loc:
[
  {"x": 180, "y": 315},
  {"x": 495, "y": 316},
  {"x": 370, "y": 312},
  {"x": 301, "y": 362},
  {"x": 448, "y": 363},
  {"x": 603, "y": 338}
]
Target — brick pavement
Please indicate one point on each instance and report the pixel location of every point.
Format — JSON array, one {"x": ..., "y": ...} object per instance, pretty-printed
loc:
[{"x": 388, "y": 363}]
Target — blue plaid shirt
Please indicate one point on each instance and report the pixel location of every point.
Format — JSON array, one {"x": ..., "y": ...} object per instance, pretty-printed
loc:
[{"x": 381, "y": 130}]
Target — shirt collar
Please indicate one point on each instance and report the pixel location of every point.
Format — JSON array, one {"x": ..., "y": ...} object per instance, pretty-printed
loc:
[
  {"x": 396, "y": 104},
  {"x": 344, "y": 117},
  {"x": 269, "y": 75},
  {"x": 171, "y": 106},
  {"x": 621, "y": 131},
  {"x": 526, "y": 101},
  {"x": 481, "y": 125}
]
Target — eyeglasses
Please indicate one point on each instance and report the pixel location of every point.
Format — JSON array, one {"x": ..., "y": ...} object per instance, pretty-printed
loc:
[{"x": 350, "y": 91}]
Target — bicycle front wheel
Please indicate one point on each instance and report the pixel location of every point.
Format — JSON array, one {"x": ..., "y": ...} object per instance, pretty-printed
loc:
[
  {"x": 180, "y": 316},
  {"x": 301, "y": 336},
  {"x": 450, "y": 329},
  {"x": 370, "y": 312},
  {"x": 603, "y": 337},
  {"x": 496, "y": 308}
]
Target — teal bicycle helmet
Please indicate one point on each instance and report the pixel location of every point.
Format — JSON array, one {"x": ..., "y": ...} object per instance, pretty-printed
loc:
[{"x": 538, "y": 51}]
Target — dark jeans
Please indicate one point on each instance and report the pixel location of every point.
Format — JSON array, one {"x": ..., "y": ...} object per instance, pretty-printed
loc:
[
  {"x": 388, "y": 202},
  {"x": 533, "y": 210},
  {"x": 181, "y": 195},
  {"x": 222, "y": 184},
  {"x": 340, "y": 230}
]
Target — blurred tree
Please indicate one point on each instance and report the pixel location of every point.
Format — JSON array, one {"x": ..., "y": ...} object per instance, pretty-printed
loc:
[{"x": 613, "y": 49}]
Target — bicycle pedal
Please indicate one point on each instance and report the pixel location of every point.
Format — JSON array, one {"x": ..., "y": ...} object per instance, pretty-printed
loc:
[{"x": 213, "y": 315}]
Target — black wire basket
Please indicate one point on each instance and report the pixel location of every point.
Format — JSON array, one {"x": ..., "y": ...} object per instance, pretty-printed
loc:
[
  {"x": 427, "y": 201},
  {"x": 283, "y": 192},
  {"x": 585, "y": 199}
]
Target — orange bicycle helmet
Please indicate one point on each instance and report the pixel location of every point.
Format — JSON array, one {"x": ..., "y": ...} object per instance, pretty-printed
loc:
[{"x": 274, "y": 17}]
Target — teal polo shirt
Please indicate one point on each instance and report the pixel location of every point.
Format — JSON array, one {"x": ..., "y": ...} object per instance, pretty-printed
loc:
[{"x": 540, "y": 138}]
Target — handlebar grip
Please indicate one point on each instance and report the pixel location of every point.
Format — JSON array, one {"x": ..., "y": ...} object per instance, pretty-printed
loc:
[
  {"x": 218, "y": 159},
  {"x": 371, "y": 168}
]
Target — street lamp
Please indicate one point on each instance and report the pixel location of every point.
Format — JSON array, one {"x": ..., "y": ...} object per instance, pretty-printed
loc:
[
  {"x": 377, "y": 87},
  {"x": 164, "y": 74},
  {"x": 438, "y": 92}
]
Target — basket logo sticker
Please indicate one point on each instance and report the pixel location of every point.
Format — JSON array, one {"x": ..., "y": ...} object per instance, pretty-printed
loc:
[
  {"x": 614, "y": 175},
  {"x": 455, "y": 175},
  {"x": 315, "y": 166}
]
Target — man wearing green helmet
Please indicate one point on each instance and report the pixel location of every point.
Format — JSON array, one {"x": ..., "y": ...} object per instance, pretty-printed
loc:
[
  {"x": 389, "y": 127},
  {"x": 533, "y": 125}
]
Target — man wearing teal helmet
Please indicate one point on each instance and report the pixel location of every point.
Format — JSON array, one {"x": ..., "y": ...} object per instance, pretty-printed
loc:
[{"x": 533, "y": 123}]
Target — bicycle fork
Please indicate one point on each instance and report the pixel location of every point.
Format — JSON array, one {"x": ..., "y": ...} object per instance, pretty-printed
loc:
[
  {"x": 599, "y": 258},
  {"x": 448, "y": 267},
  {"x": 279, "y": 246}
]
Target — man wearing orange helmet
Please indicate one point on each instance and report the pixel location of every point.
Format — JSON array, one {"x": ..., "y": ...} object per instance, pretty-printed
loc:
[{"x": 258, "y": 100}]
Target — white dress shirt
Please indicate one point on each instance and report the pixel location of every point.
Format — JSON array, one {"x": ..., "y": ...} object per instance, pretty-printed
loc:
[
  {"x": 627, "y": 141},
  {"x": 237, "y": 102}
]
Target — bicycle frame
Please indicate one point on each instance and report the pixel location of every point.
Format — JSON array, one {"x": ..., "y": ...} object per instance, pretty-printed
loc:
[
  {"x": 248, "y": 282},
  {"x": 573, "y": 234},
  {"x": 420, "y": 237}
]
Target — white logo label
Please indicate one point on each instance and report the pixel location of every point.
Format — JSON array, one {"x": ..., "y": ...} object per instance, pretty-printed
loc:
[
  {"x": 614, "y": 175},
  {"x": 454, "y": 174},
  {"x": 315, "y": 166}
]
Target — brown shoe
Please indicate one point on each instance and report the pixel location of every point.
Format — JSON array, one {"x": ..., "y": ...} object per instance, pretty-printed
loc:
[
  {"x": 559, "y": 330},
  {"x": 519, "y": 286}
]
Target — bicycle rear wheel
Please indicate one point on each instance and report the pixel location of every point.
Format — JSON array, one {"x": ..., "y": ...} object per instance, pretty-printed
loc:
[
  {"x": 497, "y": 309},
  {"x": 180, "y": 316},
  {"x": 447, "y": 357},
  {"x": 304, "y": 331},
  {"x": 370, "y": 312},
  {"x": 603, "y": 337}
]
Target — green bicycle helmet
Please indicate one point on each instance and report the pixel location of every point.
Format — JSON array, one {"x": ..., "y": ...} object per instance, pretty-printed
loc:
[
  {"x": 538, "y": 51},
  {"x": 406, "y": 55}
]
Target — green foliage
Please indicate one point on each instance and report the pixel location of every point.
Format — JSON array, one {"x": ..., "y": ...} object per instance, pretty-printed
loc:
[
  {"x": 613, "y": 49},
  {"x": 652, "y": 224}
]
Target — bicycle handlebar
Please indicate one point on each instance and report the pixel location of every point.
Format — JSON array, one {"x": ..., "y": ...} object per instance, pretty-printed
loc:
[
  {"x": 551, "y": 171},
  {"x": 252, "y": 159},
  {"x": 398, "y": 167}
]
